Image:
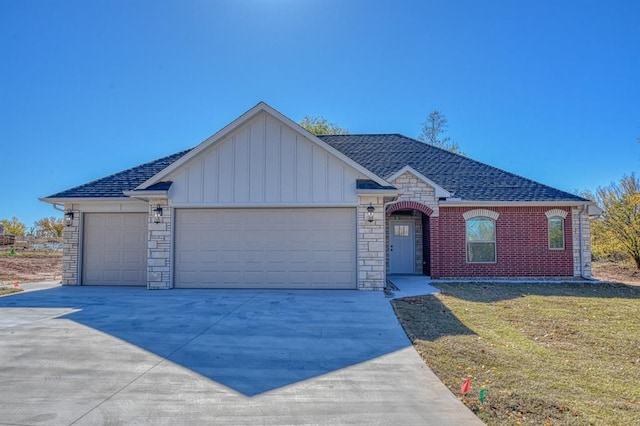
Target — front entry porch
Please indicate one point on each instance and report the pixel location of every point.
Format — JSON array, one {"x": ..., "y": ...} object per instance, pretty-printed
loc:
[{"x": 408, "y": 242}]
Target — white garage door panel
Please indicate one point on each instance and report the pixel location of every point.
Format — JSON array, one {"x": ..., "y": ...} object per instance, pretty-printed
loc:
[
  {"x": 265, "y": 248},
  {"x": 114, "y": 249}
]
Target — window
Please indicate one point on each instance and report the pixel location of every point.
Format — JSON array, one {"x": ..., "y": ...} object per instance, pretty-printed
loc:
[
  {"x": 556, "y": 233},
  {"x": 481, "y": 240},
  {"x": 401, "y": 230}
]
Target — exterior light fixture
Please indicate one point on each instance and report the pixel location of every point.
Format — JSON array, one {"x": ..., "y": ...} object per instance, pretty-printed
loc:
[
  {"x": 370, "y": 211},
  {"x": 157, "y": 214},
  {"x": 68, "y": 218}
]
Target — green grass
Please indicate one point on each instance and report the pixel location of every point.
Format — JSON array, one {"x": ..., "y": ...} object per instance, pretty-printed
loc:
[
  {"x": 548, "y": 354},
  {"x": 8, "y": 290},
  {"x": 30, "y": 253}
]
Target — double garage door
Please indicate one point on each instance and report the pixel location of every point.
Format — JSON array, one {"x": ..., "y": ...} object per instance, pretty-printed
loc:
[{"x": 305, "y": 248}]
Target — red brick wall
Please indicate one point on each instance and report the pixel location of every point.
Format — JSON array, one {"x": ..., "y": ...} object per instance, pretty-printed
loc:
[{"x": 521, "y": 244}]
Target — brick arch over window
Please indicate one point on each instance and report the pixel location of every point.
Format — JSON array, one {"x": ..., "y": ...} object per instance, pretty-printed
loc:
[{"x": 409, "y": 205}]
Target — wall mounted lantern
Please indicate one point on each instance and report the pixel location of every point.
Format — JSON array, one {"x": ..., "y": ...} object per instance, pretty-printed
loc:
[
  {"x": 157, "y": 214},
  {"x": 68, "y": 218},
  {"x": 370, "y": 211}
]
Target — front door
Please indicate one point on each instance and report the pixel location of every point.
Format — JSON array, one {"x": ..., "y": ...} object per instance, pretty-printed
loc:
[{"x": 402, "y": 247}]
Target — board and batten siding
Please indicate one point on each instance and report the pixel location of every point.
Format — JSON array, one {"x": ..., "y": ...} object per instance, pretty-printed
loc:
[{"x": 264, "y": 162}]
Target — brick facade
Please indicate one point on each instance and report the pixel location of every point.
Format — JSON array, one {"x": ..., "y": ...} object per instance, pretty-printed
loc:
[{"x": 522, "y": 247}]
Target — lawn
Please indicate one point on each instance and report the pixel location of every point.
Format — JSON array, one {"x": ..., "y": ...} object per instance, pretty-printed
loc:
[
  {"x": 547, "y": 354},
  {"x": 8, "y": 290}
]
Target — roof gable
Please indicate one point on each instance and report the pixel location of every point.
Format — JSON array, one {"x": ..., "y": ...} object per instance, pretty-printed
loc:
[
  {"x": 261, "y": 107},
  {"x": 440, "y": 192},
  {"x": 264, "y": 162}
]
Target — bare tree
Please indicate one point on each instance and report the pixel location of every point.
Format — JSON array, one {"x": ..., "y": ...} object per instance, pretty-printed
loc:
[{"x": 433, "y": 130}]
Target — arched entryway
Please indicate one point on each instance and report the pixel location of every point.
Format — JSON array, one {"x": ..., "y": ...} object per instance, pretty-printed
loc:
[{"x": 408, "y": 238}]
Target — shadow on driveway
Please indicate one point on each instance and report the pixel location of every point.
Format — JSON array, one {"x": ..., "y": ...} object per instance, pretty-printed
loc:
[{"x": 252, "y": 341}]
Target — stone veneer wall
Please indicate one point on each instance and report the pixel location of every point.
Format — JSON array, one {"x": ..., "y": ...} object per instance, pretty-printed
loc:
[
  {"x": 71, "y": 250},
  {"x": 159, "y": 247},
  {"x": 371, "y": 245},
  {"x": 413, "y": 189},
  {"x": 586, "y": 242}
]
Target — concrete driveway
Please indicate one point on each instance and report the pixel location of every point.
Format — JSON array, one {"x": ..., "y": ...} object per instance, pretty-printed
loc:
[{"x": 89, "y": 356}]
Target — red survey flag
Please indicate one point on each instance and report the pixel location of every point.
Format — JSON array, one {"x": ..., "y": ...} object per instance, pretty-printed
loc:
[{"x": 466, "y": 385}]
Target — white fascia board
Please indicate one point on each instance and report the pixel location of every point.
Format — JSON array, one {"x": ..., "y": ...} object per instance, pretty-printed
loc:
[
  {"x": 146, "y": 195},
  {"x": 440, "y": 192},
  {"x": 261, "y": 206},
  {"x": 83, "y": 200},
  {"x": 470, "y": 203},
  {"x": 238, "y": 122},
  {"x": 594, "y": 210}
]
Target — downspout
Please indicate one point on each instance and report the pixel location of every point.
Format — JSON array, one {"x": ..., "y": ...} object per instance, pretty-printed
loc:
[
  {"x": 56, "y": 206},
  {"x": 580, "y": 244}
]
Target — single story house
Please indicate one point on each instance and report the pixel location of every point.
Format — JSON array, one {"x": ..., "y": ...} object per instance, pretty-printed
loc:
[{"x": 263, "y": 203}]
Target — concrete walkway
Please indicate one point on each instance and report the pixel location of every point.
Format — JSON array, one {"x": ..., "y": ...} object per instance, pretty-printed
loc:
[
  {"x": 91, "y": 356},
  {"x": 410, "y": 285}
]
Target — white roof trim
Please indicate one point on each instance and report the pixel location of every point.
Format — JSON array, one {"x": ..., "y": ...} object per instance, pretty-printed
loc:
[
  {"x": 146, "y": 195},
  {"x": 594, "y": 211},
  {"x": 84, "y": 199},
  {"x": 469, "y": 203},
  {"x": 238, "y": 122},
  {"x": 440, "y": 191}
]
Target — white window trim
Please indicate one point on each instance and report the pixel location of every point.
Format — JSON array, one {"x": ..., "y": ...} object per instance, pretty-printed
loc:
[
  {"x": 556, "y": 213},
  {"x": 549, "y": 233},
  {"x": 495, "y": 241}
]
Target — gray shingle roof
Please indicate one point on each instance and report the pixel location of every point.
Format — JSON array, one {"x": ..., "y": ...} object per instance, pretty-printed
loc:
[
  {"x": 126, "y": 180},
  {"x": 385, "y": 154}
]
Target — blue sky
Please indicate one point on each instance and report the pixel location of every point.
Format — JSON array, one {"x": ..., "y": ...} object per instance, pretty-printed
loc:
[{"x": 546, "y": 89}]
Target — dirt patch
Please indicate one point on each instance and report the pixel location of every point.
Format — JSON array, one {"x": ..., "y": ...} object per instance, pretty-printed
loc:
[
  {"x": 25, "y": 266},
  {"x": 620, "y": 272}
]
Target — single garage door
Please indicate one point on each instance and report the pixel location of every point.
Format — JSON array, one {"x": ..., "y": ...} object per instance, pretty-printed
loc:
[
  {"x": 114, "y": 249},
  {"x": 305, "y": 248}
]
